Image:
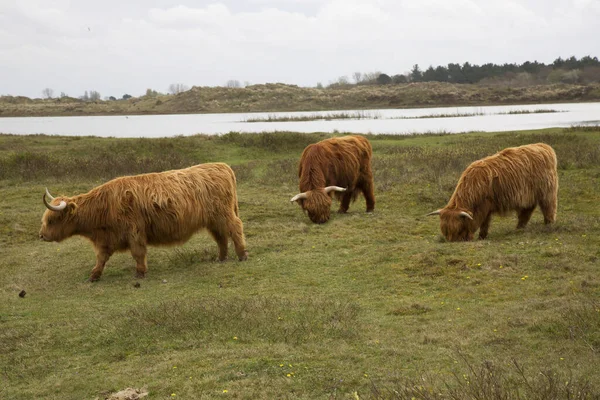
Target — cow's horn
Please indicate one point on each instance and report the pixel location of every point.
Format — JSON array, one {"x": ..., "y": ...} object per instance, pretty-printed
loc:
[
  {"x": 60, "y": 207},
  {"x": 436, "y": 212},
  {"x": 336, "y": 188},
  {"x": 49, "y": 195},
  {"x": 298, "y": 197},
  {"x": 466, "y": 215}
]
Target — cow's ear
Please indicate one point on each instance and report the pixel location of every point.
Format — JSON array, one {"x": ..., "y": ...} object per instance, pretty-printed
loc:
[{"x": 71, "y": 208}]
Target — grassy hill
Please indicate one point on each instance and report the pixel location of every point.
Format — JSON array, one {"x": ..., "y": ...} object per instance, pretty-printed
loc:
[
  {"x": 281, "y": 97},
  {"x": 366, "y": 306}
]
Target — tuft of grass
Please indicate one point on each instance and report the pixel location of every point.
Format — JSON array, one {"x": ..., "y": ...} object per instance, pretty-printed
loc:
[
  {"x": 316, "y": 117},
  {"x": 271, "y": 141},
  {"x": 537, "y": 111},
  {"x": 489, "y": 381},
  {"x": 443, "y": 115}
]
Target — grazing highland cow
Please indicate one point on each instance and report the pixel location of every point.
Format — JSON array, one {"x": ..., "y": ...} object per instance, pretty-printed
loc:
[
  {"x": 341, "y": 165},
  {"x": 166, "y": 208},
  {"x": 516, "y": 178}
]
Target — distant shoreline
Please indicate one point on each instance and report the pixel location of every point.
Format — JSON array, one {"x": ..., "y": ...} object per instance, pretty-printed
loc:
[{"x": 291, "y": 98}]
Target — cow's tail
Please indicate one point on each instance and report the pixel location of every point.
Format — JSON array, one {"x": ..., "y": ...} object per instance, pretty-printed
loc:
[{"x": 236, "y": 208}]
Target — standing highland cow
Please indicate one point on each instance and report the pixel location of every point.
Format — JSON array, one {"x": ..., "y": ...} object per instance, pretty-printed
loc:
[
  {"x": 341, "y": 165},
  {"x": 516, "y": 178},
  {"x": 166, "y": 208}
]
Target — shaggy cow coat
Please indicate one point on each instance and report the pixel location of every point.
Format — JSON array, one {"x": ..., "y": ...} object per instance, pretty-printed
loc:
[
  {"x": 516, "y": 178},
  {"x": 166, "y": 208},
  {"x": 341, "y": 165}
]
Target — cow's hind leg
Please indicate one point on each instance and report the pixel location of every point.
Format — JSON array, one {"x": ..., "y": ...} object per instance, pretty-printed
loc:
[
  {"x": 138, "y": 252},
  {"x": 367, "y": 189},
  {"x": 236, "y": 231},
  {"x": 548, "y": 208},
  {"x": 102, "y": 256},
  {"x": 221, "y": 239},
  {"x": 524, "y": 216}
]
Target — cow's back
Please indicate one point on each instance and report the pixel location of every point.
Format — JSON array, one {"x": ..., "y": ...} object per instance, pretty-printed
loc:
[
  {"x": 336, "y": 161},
  {"x": 168, "y": 207},
  {"x": 515, "y": 177}
]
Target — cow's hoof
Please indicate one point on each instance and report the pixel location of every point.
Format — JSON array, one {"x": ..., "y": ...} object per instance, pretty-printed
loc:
[
  {"x": 140, "y": 275},
  {"x": 94, "y": 278}
]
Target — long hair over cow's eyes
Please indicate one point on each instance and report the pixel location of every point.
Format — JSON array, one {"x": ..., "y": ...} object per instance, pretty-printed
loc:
[{"x": 318, "y": 206}]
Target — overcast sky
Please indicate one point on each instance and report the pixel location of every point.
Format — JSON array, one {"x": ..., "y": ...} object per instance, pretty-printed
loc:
[{"x": 119, "y": 46}]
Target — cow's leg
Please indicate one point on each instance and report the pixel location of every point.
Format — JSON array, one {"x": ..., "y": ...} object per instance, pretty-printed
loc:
[
  {"x": 524, "y": 216},
  {"x": 367, "y": 189},
  {"x": 138, "y": 252},
  {"x": 221, "y": 239},
  {"x": 485, "y": 226},
  {"x": 345, "y": 203},
  {"x": 548, "y": 207},
  {"x": 236, "y": 230},
  {"x": 102, "y": 256}
]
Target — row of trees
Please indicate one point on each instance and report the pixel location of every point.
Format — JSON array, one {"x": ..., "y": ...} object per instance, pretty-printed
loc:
[
  {"x": 174, "y": 88},
  {"x": 570, "y": 70},
  {"x": 94, "y": 95},
  {"x": 468, "y": 73}
]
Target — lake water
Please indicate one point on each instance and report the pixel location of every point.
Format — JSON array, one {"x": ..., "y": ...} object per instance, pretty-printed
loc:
[{"x": 395, "y": 121}]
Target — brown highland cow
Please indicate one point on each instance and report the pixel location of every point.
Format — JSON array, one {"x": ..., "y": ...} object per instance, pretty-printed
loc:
[
  {"x": 341, "y": 165},
  {"x": 166, "y": 208},
  {"x": 516, "y": 178}
]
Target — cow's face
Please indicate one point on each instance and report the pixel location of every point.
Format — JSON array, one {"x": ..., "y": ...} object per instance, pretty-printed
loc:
[
  {"x": 317, "y": 205},
  {"x": 58, "y": 225},
  {"x": 455, "y": 225}
]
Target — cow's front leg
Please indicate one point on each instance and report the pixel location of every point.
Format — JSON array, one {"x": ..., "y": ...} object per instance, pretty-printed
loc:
[
  {"x": 345, "y": 203},
  {"x": 524, "y": 216},
  {"x": 102, "y": 256},
  {"x": 485, "y": 226}
]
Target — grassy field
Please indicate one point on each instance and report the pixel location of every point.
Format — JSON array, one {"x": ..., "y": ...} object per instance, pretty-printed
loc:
[
  {"x": 366, "y": 306},
  {"x": 280, "y": 97}
]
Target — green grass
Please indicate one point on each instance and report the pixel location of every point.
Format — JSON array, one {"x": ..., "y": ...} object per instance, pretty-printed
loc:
[{"x": 368, "y": 305}]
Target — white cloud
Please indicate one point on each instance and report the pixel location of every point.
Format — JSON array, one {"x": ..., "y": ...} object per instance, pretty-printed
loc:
[
  {"x": 186, "y": 16},
  {"x": 128, "y": 47}
]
